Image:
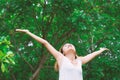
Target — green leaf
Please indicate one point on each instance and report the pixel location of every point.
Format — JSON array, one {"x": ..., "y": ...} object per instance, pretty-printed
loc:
[
  {"x": 11, "y": 61},
  {"x": 1, "y": 55},
  {"x": 6, "y": 61},
  {"x": 10, "y": 54},
  {"x": 3, "y": 67}
]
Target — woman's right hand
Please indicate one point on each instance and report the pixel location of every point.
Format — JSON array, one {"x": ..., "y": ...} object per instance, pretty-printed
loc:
[{"x": 22, "y": 30}]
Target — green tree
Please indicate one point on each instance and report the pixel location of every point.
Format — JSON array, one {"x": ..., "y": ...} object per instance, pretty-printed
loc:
[{"x": 88, "y": 24}]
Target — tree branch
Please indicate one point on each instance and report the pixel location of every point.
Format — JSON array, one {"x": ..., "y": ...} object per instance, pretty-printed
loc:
[
  {"x": 14, "y": 42},
  {"x": 36, "y": 73},
  {"x": 66, "y": 34}
]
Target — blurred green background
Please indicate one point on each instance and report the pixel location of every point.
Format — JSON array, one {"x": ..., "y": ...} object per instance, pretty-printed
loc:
[{"x": 87, "y": 24}]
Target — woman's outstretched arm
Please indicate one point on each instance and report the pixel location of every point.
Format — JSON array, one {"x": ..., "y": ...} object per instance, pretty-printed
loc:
[
  {"x": 49, "y": 47},
  {"x": 89, "y": 57}
]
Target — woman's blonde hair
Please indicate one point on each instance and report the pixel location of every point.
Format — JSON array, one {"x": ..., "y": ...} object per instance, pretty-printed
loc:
[{"x": 56, "y": 66}]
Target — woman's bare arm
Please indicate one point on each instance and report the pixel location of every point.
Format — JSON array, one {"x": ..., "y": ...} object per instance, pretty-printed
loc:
[
  {"x": 49, "y": 47},
  {"x": 91, "y": 56}
]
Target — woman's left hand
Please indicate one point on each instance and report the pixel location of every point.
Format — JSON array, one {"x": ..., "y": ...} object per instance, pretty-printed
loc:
[{"x": 103, "y": 49}]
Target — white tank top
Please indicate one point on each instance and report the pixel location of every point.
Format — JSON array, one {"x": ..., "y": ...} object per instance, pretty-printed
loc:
[{"x": 68, "y": 71}]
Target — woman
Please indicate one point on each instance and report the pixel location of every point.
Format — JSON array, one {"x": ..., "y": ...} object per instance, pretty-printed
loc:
[{"x": 68, "y": 63}]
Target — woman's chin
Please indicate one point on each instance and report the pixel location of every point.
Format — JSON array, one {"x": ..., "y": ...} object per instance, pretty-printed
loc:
[{"x": 71, "y": 51}]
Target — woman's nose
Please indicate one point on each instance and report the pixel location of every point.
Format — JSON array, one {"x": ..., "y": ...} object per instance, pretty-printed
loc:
[{"x": 69, "y": 45}]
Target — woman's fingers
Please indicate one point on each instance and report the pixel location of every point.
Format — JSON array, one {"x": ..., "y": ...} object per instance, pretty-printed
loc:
[
  {"x": 21, "y": 30},
  {"x": 17, "y": 29},
  {"x": 104, "y": 49}
]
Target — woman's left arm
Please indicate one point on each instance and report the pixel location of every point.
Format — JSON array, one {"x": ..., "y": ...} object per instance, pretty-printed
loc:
[{"x": 89, "y": 57}]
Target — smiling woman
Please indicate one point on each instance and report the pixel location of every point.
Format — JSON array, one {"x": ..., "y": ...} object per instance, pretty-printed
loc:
[{"x": 68, "y": 63}]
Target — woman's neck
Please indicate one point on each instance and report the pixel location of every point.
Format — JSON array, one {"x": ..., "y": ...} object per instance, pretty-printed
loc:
[{"x": 70, "y": 56}]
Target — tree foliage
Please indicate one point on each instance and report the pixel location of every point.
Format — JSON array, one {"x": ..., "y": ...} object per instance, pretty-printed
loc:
[
  {"x": 6, "y": 55},
  {"x": 88, "y": 24}
]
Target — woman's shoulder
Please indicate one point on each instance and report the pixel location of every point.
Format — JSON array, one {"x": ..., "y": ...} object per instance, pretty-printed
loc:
[{"x": 80, "y": 58}]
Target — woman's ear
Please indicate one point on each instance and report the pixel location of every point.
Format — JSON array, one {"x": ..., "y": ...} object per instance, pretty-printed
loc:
[{"x": 76, "y": 56}]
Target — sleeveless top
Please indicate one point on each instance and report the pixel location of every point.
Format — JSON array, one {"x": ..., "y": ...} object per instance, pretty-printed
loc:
[{"x": 68, "y": 71}]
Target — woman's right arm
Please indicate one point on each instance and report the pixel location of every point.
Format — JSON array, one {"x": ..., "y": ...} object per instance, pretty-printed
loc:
[{"x": 49, "y": 47}]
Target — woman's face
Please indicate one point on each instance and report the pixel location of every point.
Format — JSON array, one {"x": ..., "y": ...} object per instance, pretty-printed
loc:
[{"x": 68, "y": 48}]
